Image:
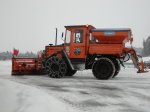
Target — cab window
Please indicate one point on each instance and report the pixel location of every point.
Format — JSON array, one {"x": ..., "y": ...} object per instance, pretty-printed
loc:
[{"x": 78, "y": 36}]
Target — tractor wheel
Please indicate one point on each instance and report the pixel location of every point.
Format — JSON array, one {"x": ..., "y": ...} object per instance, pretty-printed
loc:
[
  {"x": 117, "y": 67},
  {"x": 55, "y": 67},
  {"x": 103, "y": 68},
  {"x": 70, "y": 72}
]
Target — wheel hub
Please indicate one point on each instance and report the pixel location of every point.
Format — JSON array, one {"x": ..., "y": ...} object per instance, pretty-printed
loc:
[{"x": 55, "y": 67}]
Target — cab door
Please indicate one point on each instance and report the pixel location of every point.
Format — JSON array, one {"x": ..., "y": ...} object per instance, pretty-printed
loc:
[{"x": 77, "y": 47}]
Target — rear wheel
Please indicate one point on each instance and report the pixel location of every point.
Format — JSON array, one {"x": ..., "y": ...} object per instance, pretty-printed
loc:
[
  {"x": 55, "y": 67},
  {"x": 103, "y": 68}
]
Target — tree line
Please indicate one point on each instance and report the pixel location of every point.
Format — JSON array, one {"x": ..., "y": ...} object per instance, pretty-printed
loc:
[
  {"x": 146, "y": 47},
  {"x": 145, "y": 51},
  {"x": 8, "y": 55}
]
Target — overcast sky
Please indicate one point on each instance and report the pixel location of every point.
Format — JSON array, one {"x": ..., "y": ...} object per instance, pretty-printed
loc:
[{"x": 30, "y": 24}]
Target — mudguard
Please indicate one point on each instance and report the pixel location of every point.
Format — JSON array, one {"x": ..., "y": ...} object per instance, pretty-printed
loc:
[{"x": 67, "y": 60}]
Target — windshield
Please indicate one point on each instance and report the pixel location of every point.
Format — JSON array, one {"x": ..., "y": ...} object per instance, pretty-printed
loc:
[{"x": 67, "y": 36}]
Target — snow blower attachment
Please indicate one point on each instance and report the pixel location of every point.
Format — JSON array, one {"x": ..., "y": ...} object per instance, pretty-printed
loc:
[
  {"x": 84, "y": 47},
  {"x": 22, "y": 66}
]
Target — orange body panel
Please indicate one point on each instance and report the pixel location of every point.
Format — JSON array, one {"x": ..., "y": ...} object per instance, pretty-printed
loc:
[
  {"x": 117, "y": 37},
  {"x": 106, "y": 49},
  {"x": 74, "y": 55},
  {"x": 50, "y": 50}
]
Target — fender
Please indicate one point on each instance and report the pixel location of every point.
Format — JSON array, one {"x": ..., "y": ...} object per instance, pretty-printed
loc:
[{"x": 67, "y": 60}]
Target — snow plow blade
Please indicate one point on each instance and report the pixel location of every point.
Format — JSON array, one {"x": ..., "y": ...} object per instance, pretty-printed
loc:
[
  {"x": 24, "y": 66},
  {"x": 136, "y": 59}
]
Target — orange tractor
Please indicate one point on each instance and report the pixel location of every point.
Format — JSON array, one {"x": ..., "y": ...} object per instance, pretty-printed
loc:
[{"x": 84, "y": 47}]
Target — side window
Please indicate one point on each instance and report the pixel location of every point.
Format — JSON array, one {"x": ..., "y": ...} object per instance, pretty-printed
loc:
[
  {"x": 92, "y": 39},
  {"x": 78, "y": 36}
]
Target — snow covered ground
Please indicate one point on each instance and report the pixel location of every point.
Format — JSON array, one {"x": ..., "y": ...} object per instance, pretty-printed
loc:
[
  {"x": 128, "y": 92},
  {"x": 16, "y": 97}
]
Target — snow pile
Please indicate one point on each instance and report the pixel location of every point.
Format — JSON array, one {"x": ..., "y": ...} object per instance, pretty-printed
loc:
[
  {"x": 15, "y": 97},
  {"x": 129, "y": 64},
  {"x": 5, "y": 67},
  {"x": 144, "y": 59}
]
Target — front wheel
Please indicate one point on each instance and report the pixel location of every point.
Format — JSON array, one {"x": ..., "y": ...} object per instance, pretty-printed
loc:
[
  {"x": 55, "y": 67},
  {"x": 103, "y": 68}
]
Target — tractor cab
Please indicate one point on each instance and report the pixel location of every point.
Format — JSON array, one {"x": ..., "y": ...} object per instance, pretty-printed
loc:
[{"x": 76, "y": 40}]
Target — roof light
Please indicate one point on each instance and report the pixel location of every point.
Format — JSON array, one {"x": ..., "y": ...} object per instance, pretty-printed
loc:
[{"x": 87, "y": 25}]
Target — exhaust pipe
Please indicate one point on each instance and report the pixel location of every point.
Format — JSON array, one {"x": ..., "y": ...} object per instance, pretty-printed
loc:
[{"x": 56, "y": 37}]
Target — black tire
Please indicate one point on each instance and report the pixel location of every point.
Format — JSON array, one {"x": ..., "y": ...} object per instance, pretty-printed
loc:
[
  {"x": 117, "y": 67},
  {"x": 70, "y": 72},
  {"x": 55, "y": 67},
  {"x": 103, "y": 68}
]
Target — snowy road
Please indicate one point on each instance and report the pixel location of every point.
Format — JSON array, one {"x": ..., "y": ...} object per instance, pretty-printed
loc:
[{"x": 128, "y": 92}]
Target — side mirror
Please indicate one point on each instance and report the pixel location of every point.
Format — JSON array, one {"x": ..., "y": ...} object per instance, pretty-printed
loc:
[{"x": 62, "y": 36}]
